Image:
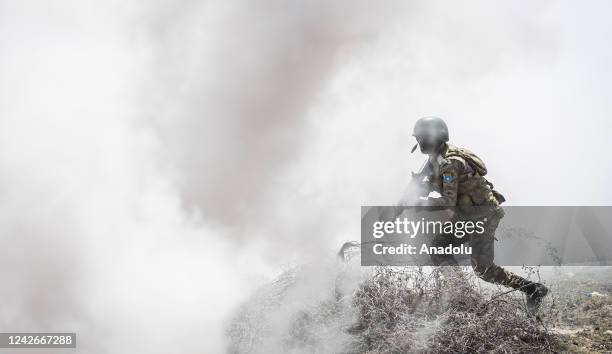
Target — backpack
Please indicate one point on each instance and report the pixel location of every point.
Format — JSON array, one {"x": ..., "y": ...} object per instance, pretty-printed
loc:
[{"x": 474, "y": 161}]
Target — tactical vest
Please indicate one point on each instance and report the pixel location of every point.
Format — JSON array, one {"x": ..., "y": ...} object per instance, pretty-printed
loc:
[{"x": 474, "y": 189}]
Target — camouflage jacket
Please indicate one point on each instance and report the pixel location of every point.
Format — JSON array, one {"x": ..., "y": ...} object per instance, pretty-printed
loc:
[{"x": 458, "y": 176}]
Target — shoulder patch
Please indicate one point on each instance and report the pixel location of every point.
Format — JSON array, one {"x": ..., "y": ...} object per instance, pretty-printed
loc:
[{"x": 447, "y": 178}]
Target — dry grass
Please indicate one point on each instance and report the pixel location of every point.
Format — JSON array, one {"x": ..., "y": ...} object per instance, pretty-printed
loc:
[
  {"x": 392, "y": 310},
  {"x": 405, "y": 310}
]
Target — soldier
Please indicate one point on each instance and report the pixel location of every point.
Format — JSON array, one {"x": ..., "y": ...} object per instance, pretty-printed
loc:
[{"x": 458, "y": 176}]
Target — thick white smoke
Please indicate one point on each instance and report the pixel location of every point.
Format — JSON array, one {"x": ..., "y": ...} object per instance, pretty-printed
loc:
[{"x": 157, "y": 160}]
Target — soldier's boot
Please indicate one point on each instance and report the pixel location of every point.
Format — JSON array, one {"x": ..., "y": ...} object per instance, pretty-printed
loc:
[{"x": 535, "y": 292}]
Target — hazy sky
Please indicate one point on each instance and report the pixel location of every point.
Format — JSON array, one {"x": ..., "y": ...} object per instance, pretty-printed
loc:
[{"x": 160, "y": 160}]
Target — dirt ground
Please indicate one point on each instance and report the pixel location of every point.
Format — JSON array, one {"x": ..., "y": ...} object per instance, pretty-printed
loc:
[{"x": 581, "y": 309}]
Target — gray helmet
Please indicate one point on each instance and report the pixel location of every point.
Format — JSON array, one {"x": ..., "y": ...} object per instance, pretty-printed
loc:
[{"x": 430, "y": 133}]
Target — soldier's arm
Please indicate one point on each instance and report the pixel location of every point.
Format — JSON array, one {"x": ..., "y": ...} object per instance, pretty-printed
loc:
[
  {"x": 420, "y": 186},
  {"x": 420, "y": 183},
  {"x": 449, "y": 172}
]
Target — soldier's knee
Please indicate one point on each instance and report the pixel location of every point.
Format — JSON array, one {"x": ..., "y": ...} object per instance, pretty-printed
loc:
[
  {"x": 478, "y": 269},
  {"x": 486, "y": 272}
]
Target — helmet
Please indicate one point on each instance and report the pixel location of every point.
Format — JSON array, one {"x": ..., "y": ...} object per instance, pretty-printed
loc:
[{"x": 430, "y": 133}]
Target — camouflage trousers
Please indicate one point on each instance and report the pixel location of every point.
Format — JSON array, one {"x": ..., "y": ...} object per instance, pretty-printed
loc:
[{"x": 483, "y": 254}]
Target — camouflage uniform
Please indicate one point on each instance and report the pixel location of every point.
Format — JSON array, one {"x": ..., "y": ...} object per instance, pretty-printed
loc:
[{"x": 458, "y": 176}]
